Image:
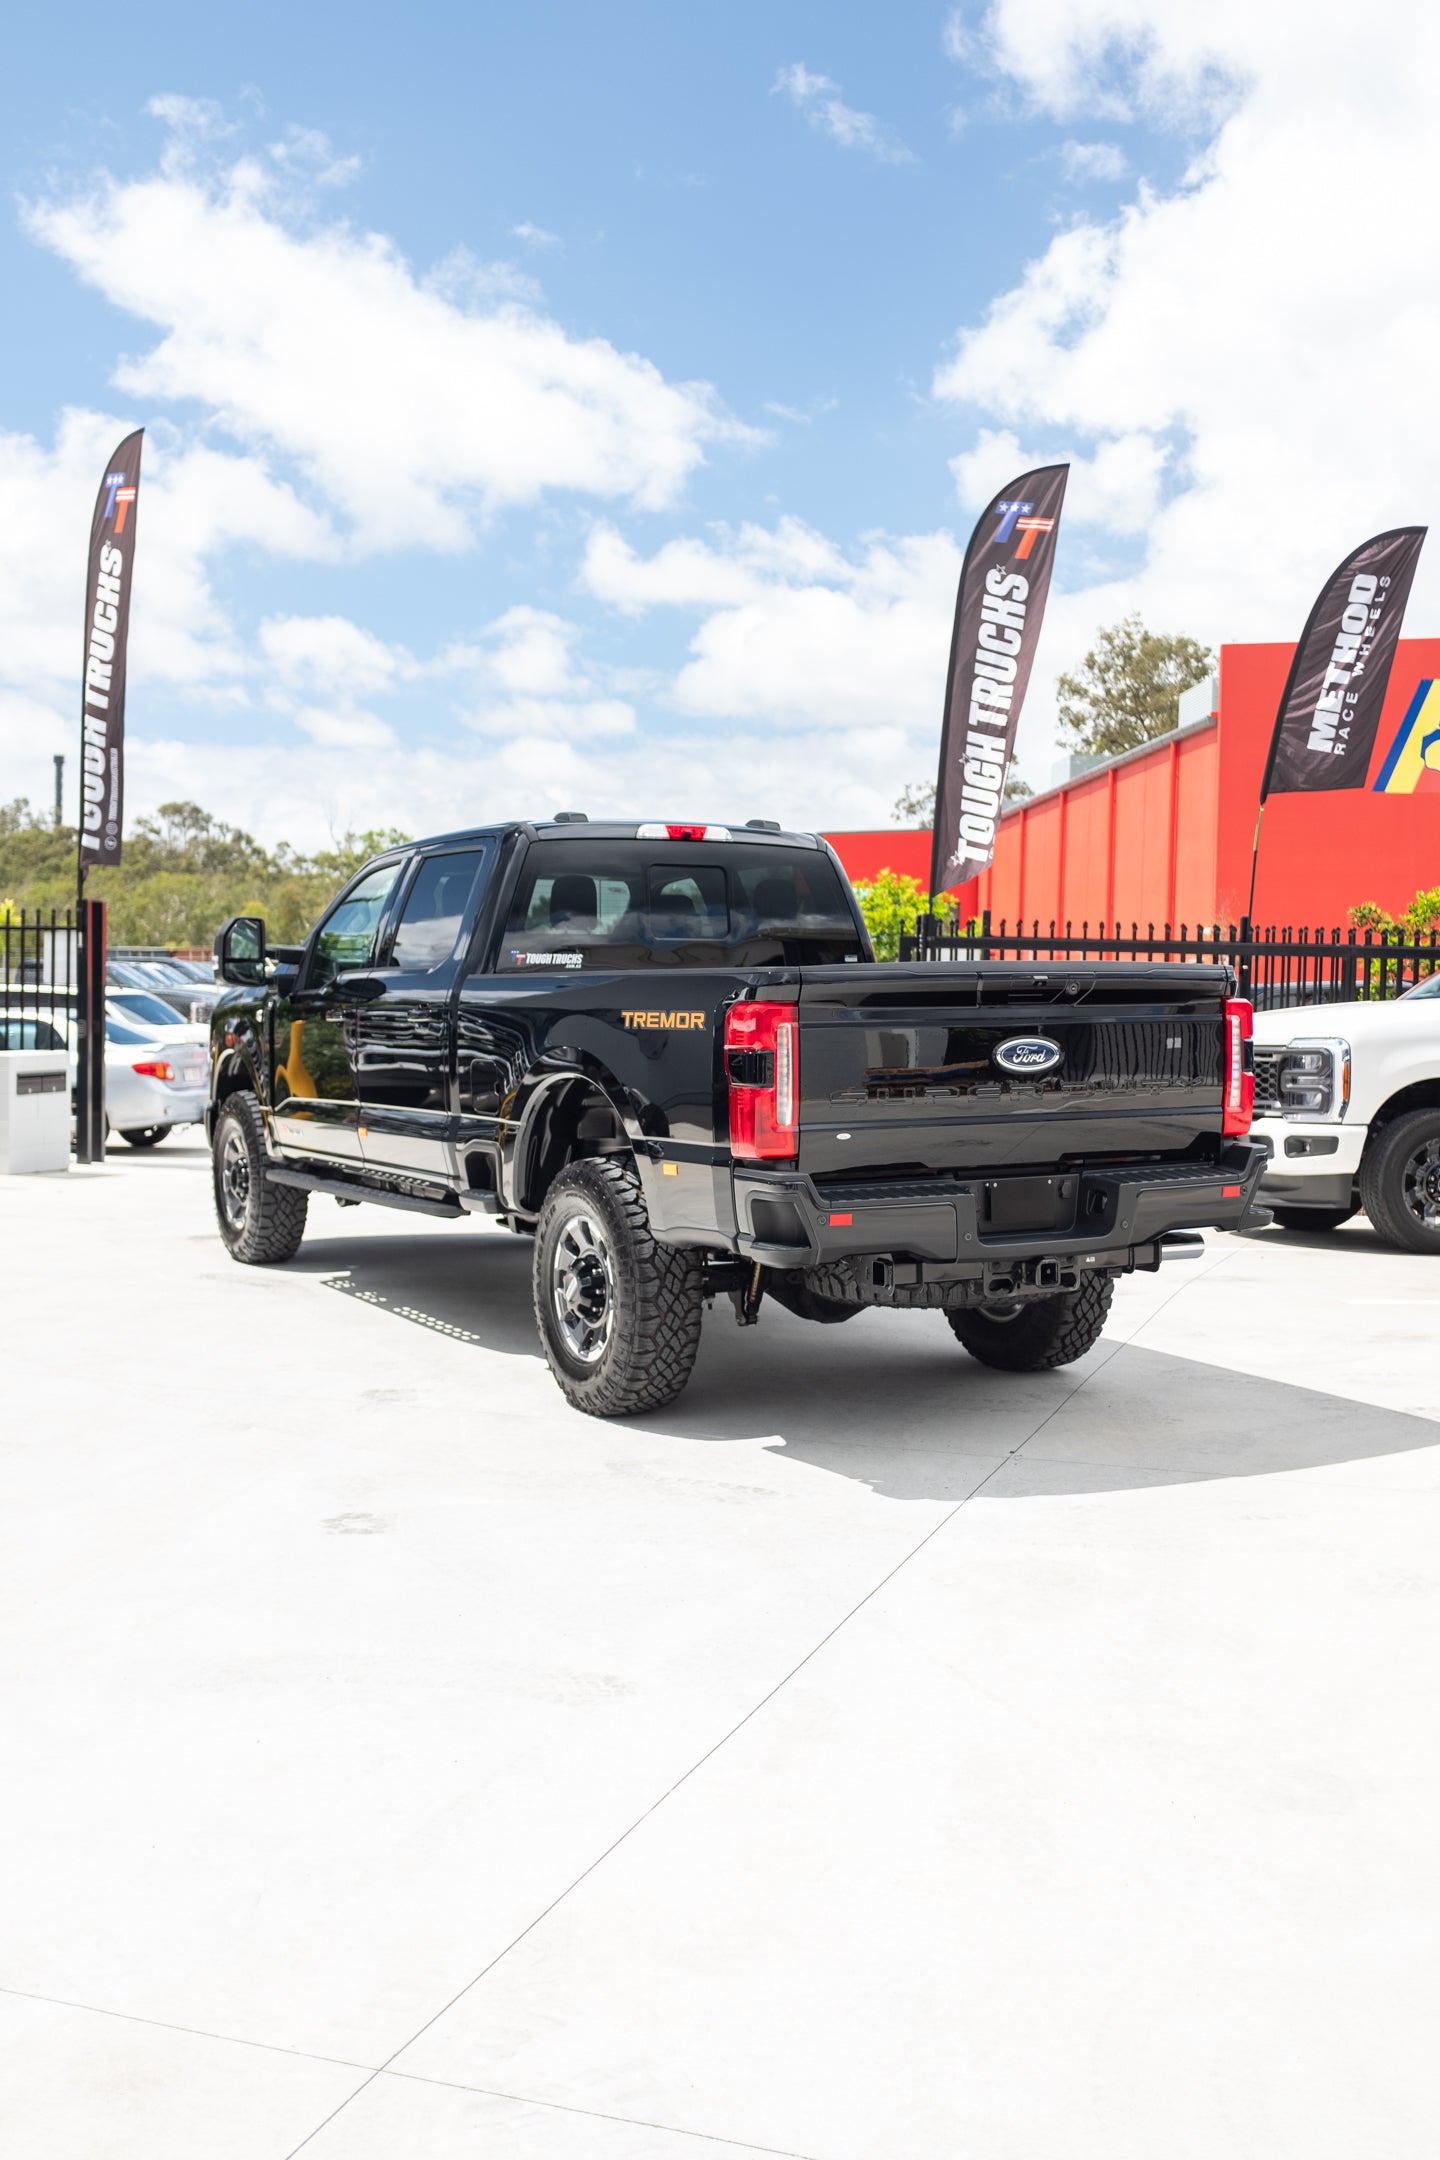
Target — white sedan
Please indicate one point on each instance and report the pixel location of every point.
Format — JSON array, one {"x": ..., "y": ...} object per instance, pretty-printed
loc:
[{"x": 150, "y": 1086}]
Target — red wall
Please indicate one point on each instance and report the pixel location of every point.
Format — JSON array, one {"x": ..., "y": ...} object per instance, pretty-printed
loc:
[
  {"x": 865, "y": 854},
  {"x": 1319, "y": 854},
  {"x": 1166, "y": 835}
]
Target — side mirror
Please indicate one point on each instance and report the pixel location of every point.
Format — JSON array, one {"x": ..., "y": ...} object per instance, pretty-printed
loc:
[{"x": 240, "y": 950}]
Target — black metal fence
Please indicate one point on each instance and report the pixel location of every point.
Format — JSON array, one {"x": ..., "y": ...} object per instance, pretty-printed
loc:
[
  {"x": 1273, "y": 966},
  {"x": 39, "y": 979}
]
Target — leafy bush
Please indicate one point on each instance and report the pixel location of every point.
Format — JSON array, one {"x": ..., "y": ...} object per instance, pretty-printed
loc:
[{"x": 890, "y": 902}]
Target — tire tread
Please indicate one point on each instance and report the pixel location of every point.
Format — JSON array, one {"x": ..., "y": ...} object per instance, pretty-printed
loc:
[
  {"x": 662, "y": 1299},
  {"x": 275, "y": 1222},
  {"x": 1054, "y": 1331}
]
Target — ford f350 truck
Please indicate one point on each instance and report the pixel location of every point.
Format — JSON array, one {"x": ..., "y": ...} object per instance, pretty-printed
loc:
[
  {"x": 1348, "y": 1110},
  {"x": 667, "y": 1052}
]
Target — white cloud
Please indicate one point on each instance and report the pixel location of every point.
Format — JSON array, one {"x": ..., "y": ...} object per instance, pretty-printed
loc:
[
  {"x": 820, "y": 100},
  {"x": 536, "y": 236},
  {"x": 1267, "y": 318},
  {"x": 794, "y": 633},
  {"x": 1118, "y": 488},
  {"x": 1082, "y": 162},
  {"x": 194, "y": 503},
  {"x": 411, "y": 406},
  {"x": 344, "y": 727},
  {"x": 314, "y": 652}
]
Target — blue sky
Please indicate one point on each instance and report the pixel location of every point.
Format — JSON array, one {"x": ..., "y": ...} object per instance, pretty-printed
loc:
[{"x": 596, "y": 400}]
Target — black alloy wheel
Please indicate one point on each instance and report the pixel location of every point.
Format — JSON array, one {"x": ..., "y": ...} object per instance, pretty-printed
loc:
[
  {"x": 1400, "y": 1181},
  {"x": 259, "y": 1222},
  {"x": 618, "y": 1313}
]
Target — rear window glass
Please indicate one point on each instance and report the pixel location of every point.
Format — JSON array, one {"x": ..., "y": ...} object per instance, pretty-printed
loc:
[
  {"x": 18, "y": 1034},
  {"x": 651, "y": 904}
]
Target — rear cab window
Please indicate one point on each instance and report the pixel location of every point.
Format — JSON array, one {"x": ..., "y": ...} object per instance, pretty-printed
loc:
[{"x": 583, "y": 904}]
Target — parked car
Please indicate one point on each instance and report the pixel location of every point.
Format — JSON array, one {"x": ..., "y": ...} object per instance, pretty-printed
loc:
[
  {"x": 151, "y": 1086},
  {"x": 143, "y": 1009},
  {"x": 192, "y": 1001},
  {"x": 1347, "y": 1104},
  {"x": 669, "y": 1053}
]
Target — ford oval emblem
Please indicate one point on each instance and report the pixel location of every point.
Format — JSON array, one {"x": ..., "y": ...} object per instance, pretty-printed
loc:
[{"x": 1027, "y": 1056}]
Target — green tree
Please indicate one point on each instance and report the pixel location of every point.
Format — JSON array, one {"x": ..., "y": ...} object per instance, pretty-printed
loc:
[
  {"x": 1127, "y": 689},
  {"x": 917, "y": 804},
  {"x": 183, "y": 872}
]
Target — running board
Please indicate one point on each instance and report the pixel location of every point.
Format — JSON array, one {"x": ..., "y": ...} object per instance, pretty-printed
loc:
[{"x": 343, "y": 1188}]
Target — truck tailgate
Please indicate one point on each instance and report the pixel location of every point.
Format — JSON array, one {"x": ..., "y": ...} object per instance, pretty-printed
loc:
[{"x": 898, "y": 1068}]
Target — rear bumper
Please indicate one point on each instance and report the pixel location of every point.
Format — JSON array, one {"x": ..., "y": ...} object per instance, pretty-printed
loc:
[{"x": 1117, "y": 1216}]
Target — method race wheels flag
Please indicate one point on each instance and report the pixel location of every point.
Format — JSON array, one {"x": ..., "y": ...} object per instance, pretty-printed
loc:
[
  {"x": 107, "y": 626},
  {"x": 998, "y": 611},
  {"x": 1330, "y": 709}
]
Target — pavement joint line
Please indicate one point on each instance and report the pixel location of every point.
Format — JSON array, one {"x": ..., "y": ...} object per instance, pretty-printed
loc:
[
  {"x": 568, "y": 2107},
  {"x": 193, "y": 2032},
  {"x": 685, "y": 1776}
]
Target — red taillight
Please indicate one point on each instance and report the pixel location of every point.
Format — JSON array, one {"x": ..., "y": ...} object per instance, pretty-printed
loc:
[
  {"x": 1239, "y": 1066},
  {"x": 762, "y": 1065},
  {"x": 156, "y": 1069},
  {"x": 684, "y": 832}
]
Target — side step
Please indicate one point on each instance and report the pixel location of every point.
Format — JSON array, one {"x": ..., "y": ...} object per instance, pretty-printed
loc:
[{"x": 343, "y": 1188}]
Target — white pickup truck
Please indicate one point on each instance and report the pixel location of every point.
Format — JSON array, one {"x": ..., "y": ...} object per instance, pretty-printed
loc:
[{"x": 1347, "y": 1100}]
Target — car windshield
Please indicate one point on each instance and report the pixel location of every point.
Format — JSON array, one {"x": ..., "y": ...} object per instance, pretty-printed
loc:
[
  {"x": 1430, "y": 988},
  {"x": 140, "y": 1005}
]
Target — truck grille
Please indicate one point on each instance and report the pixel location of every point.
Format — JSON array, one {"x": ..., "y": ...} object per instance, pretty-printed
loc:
[{"x": 1267, "y": 1082}]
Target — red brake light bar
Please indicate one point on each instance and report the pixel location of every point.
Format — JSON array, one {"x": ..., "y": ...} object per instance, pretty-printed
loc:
[{"x": 155, "y": 1069}]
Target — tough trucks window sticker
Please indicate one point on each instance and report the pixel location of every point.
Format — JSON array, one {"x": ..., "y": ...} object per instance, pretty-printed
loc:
[{"x": 546, "y": 959}]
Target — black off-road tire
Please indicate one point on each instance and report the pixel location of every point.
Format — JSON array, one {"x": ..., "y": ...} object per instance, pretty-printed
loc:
[
  {"x": 259, "y": 1222},
  {"x": 808, "y": 1304},
  {"x": 1400, "y": 1181},
  {"x": 632, "y": 1307},
  {"x": 1312, "y": 1218},
  {"x": 1036, "y": 1333},
  {"x": 144, "y": 1135}
]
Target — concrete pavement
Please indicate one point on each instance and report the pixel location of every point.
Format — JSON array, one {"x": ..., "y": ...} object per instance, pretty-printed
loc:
[{"x": 870, "y": 1756}]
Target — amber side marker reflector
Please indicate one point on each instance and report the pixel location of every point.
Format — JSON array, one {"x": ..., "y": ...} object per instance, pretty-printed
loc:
[
  {"x": 669, "y": 1169},
  {"x": 1229, "y": 1192},
  {"x": 842, "y": 1222}
]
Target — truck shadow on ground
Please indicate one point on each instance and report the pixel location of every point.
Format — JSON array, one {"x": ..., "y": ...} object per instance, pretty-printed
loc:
[{"x": 890, "y": 1399}]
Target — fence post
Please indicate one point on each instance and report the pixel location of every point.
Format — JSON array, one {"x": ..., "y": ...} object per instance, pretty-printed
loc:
[
  {"x": 90, "y": 1035},
  {"x": 1244, "y": 957}
]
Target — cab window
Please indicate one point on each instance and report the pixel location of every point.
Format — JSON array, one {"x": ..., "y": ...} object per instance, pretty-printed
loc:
[
  {"x": 439, "y": 906},
  {"x": 346, "y": 937},
  {"x": 589, "y": 904}
]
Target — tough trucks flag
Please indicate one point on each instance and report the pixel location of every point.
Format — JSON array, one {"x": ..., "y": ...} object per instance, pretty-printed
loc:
[
  {"x": 1330, "y": 708},
  {"x": 107, "y": 625},
  {"x": 1003, "y": 584}
]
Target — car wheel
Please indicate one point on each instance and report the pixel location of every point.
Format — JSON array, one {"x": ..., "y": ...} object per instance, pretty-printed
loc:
[
  {"x": 1400, "y": 1181},
  {"x": 618, "y": 1314},
  {"x": 1312, "y": 1218},
  {"x": 1033, "y": 1334},
  {"x": 144, "y": 1135},
  {"x": 259, "y": 1222}
]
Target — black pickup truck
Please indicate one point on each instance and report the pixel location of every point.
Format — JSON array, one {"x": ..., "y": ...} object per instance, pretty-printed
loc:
[{"x": 668, "y": 1052}]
